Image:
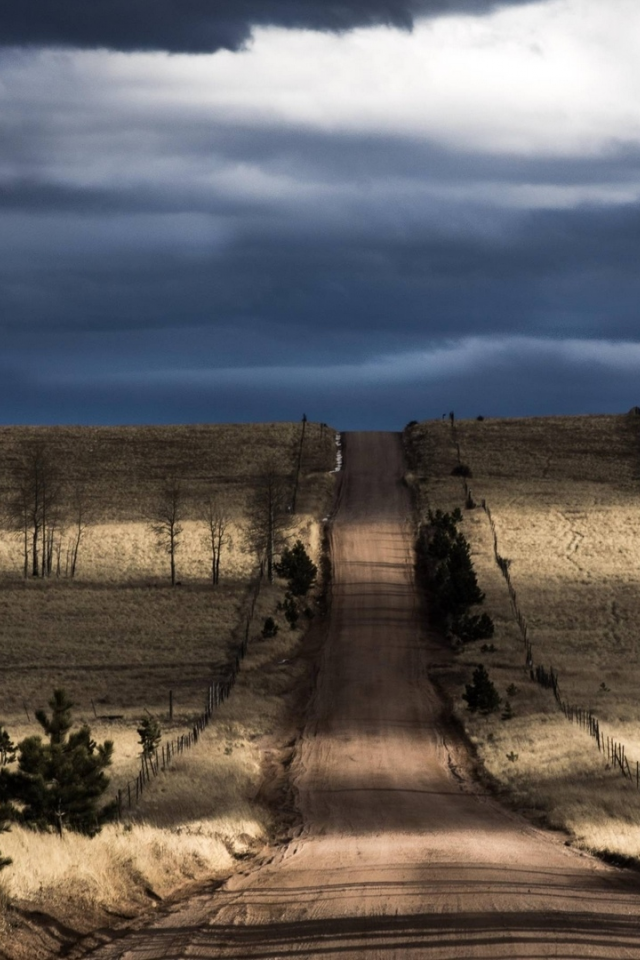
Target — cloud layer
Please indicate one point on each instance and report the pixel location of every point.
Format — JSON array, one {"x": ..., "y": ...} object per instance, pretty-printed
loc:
[
  {"x": 204, "y": 26},
  {"x": 381, "y": 222}
]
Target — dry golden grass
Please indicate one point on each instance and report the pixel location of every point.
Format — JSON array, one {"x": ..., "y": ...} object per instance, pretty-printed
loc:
[
  {"x": 118, "y": 638},
  {"x": 562, "y": 492},
  {"x": 121, "y": 472},
  {"x": 121, "y": 647},
  {"x": 195, "y": 819}
]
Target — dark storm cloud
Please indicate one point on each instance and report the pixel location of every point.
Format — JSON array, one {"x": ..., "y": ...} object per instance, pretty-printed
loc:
[
  {"x": 518, "y": 382},
  {"x": 533, "y": 272},
  {"x": 203, "y": 26}
]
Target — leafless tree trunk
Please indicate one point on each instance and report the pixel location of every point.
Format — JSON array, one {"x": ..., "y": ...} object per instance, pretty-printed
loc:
[
  {"x": 269, "y": 517},
  {"x": 165, "y": 522},
  {"x": 35, "y": 507},
  {"x": 218, "y": 518},
  {"x": 298, "y": 463},
  {"x": 81, "y": 521},
  {"x": 18, "y": 515}
]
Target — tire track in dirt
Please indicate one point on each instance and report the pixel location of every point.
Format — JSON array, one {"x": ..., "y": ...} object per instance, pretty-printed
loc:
[{"x": 396, "y": 859}]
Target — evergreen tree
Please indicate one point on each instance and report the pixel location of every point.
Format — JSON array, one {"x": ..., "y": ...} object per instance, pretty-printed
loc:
[
  {"x": 150, "y": 735},
  {"x": 297, "y": 568},
  {"x": 290, "y": 609},
  {"x": 268, "y": 517},
  {"x": 481, "y": 694},
  {"x": 59, "y": 783}
]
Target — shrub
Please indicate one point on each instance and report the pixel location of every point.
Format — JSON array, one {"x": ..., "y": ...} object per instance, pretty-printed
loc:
[
  {"x": 461, "y": 470},
  {"x": 270, "y": 628},
  {"x": 481, "y": 694},
  {"x": 150, "y": 735},
  {"x": 297, "y": 568},
  {"x": 471, "y": 627},
  {"x": 290, "y": 609},
  {"x": 507, "y": 713}
]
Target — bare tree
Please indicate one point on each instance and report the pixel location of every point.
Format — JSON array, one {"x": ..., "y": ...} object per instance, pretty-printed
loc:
[
  {"x": 18, "y": 514},
  {"x": 300, "y": 448},
  {"x": 165, "y": 521},
  {"x": 80, "y": 519},
  {"x": 269, "y": 517},
  {"x": 217, "y": 517},
  {"x": 36, "y": 508}
]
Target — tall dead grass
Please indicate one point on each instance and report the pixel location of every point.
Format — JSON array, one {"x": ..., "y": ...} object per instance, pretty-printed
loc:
[
  {"x": 118, "y": 639},
  {"x": 196, "y": 820},
  {"x": 562, "y": 493}
]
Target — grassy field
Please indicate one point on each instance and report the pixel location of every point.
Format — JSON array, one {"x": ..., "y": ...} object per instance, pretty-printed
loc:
[
  {"x": 117, "y": 637},
  {"x": 563, "y": 492},
  {"x": 206, "y": 813},
  {"x": 120, "y": 473}
]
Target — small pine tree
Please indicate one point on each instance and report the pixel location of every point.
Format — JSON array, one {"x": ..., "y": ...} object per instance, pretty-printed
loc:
[
  {"x": 270, "y": 628},
  {"x": 507, "y": 713},
  {"x": 481, "y": 694},
  {"x": 290, "y": 609},
  {"x": 150, "y": 735},
  {"x": 59, "y": 783},
  {"x": 297, "y": 568}
]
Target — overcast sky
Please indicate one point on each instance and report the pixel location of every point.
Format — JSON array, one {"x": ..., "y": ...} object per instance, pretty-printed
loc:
[{"x": 369, "y": 211}]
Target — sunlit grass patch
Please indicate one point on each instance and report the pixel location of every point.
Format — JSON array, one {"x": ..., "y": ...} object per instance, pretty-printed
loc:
[{"x": 563, "y": 496}]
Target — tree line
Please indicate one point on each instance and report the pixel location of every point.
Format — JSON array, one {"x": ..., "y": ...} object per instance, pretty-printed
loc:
[
  {"x": 266, "y": 524},
  {"x": 51, "y": 516},
  {"x": 58, "y": 782},
  {"x": 47, "y": 514}
]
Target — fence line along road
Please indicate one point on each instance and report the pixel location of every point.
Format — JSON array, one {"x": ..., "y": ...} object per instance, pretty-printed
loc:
[
  {"x": 615, "y": 752},
  {"x": 218, "y": 691}
]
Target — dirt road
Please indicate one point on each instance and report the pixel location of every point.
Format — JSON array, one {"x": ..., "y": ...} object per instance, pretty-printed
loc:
[{"x": 396, "y": 859}]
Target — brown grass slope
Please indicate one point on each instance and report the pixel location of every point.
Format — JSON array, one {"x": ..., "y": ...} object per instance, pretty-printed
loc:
[
  {"x": 118, "y": 638},
  {"x": 563, "y": 492},
  {"x": 121, "y": 467}
]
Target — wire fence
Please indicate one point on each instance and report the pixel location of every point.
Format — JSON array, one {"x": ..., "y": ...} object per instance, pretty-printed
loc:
[
  {"x": 614, "y": 751},
  {"x": 218, "y": 690}
]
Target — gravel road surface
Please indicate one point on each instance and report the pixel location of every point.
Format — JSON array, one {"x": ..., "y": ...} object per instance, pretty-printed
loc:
[{"x": 397, "y": 858}]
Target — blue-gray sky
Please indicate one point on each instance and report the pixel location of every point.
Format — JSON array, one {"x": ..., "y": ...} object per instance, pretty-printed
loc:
[{"x": 369, "y": 211}]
